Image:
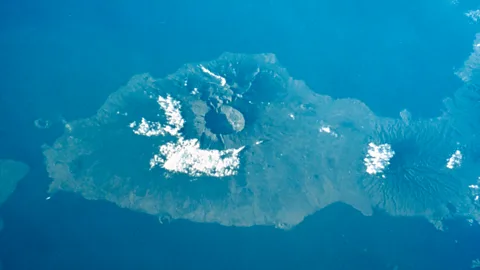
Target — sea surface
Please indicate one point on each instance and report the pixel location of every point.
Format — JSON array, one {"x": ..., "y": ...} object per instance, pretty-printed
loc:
[{"x": 59, "y": 60}]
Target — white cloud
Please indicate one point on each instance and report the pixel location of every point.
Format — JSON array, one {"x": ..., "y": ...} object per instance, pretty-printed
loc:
[
  {"x": 378, "y": 158},
  {"x": 222, "y": 80},
  {"x": 474, "y": 15},
  {"x": 185, "y": 156},
  {"x": 455, "y": 160}
]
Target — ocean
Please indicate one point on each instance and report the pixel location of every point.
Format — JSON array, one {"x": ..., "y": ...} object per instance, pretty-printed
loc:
[{"x": 61, "y": 59}]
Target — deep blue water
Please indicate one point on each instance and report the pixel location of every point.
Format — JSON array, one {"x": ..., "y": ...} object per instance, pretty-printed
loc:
[{"x": 63, "y": 58}]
